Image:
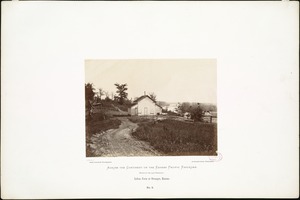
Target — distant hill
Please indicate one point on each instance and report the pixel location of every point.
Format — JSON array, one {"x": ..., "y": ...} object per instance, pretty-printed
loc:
[{"x": 162, "y": 103}]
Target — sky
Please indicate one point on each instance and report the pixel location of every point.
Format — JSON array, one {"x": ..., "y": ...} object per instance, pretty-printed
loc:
[{"x": 174, "y": 80}]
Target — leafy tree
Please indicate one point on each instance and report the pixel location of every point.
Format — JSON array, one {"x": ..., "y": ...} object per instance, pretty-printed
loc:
[
  {"x": 153, "y": 96},
  {"x": 112, "y": 95},
  {"x": 121, "y": 92},
  {"x": 107, "y": 99},
  {"x": 196, "y": 114},
  {"x": 185, "y": 107},
  {"x": 106, "y": 94},
  {"x": 196, "y": 110},
  {"x": 101, "y": 92},
  {"x": 89, "y": 97}
]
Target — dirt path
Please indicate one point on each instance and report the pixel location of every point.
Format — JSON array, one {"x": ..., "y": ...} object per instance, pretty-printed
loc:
[{"x": 119, "y": 142}]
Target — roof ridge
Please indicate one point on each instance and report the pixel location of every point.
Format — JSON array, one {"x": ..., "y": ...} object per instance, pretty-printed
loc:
[{"x": 144, "y": 96}]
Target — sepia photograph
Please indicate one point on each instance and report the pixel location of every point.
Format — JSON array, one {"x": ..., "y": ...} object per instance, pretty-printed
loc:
[
  {"x": 151, "y": 107},
  {"x": 150, "y": 100}
]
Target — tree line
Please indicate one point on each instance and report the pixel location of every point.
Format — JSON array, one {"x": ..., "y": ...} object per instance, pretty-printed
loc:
[
  {"x": 188, "y": 107},
  {"x": 93, "y": 95},
  {"x": 195, "y": 109}
]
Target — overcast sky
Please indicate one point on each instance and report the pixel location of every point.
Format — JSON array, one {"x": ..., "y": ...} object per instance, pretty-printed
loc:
[{"x": 176, "y": 80}]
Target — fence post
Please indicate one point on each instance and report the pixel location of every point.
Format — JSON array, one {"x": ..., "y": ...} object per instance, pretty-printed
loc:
[{"x": 210, "y": 119}]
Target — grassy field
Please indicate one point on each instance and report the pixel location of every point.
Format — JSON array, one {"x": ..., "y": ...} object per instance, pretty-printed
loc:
[
  {"x": 111, "y": 108},
  {"x": 172, "y": 137},
  {"x": 99, "y": 123},
  {"x": 110, "y": 105}
]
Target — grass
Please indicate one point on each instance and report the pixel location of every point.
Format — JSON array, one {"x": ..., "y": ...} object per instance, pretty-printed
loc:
[
  {"x": 141, "y": 119},
  {"x": 99, "y": 123},
  {"x": 172, "y": 137},
  {"x": 108, "y": 105}
]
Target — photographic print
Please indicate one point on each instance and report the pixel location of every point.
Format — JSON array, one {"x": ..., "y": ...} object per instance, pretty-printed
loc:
[
  {"x": 151, "y": 107},
  {"x": 149, "y": 100}
]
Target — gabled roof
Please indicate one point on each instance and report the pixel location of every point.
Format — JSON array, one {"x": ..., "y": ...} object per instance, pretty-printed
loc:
[{"x": 143, "y": 97}]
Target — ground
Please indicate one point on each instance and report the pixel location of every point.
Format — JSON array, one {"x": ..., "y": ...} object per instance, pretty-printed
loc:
[
  {"x": 150, "y": 136},
  {"x": 119, "y": 142},
  {"x": 177, "y": 137}
]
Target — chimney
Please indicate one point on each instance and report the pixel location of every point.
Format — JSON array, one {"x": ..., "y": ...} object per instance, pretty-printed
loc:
[{"x": 144, "y": 93}]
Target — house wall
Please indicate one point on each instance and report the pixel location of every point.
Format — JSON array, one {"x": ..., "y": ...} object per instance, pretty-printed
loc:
[
  {"x": 158, "y": 110},
  {"x": 146, "y": 107},
  {"x": 133, "y": 110}
]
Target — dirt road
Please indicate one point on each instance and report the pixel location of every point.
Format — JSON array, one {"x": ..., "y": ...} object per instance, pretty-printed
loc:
[{"x": 119, "y": 142}]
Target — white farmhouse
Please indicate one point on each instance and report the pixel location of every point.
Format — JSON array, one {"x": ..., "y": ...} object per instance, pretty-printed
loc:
[{"x": 144, "y": 105}]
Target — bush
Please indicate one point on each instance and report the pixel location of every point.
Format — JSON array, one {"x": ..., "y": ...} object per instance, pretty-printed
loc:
[
  {"x": 107, "y": 99},
  {"x": 196, "y": 114}
]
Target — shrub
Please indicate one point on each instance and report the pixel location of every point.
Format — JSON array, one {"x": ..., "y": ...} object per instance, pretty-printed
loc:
[{"x": 196, "y": 114}]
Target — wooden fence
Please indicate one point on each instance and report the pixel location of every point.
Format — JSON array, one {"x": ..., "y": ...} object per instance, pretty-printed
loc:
[{"x": 210, "y": 119}]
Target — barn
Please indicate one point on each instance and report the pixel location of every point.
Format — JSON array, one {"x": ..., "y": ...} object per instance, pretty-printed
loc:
[{"x": 144, "y": 105}]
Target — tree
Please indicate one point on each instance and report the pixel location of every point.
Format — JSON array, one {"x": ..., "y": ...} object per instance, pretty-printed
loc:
[
  {"x": 197, "y": 113},
  {"x": 112, "y": 95},
  {"x": 89, "y": 97},
  {"x": 153, "y": 96},
  {"x": 101, "y": 92},
  {"x": 194, "y": 108},
  {"x": 185, "y": 107},
  {"x": 106, "y": 94},
  {"x": 121, "y": 92}
]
